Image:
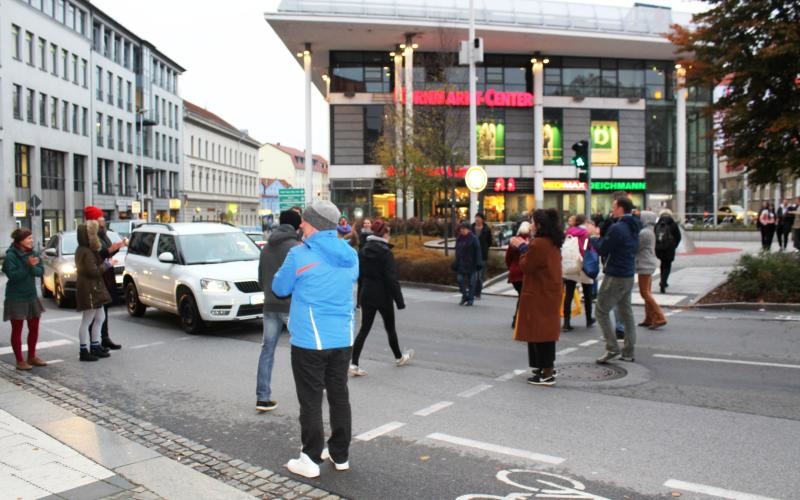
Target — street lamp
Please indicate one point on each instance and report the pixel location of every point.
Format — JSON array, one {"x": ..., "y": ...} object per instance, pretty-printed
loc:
[{"x": 140, "y": 114}]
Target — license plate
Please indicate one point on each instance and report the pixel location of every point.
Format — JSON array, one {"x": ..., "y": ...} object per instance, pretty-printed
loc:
[
  {"x": 257, "y": 298},
  {"x": 118, "y": 279}
]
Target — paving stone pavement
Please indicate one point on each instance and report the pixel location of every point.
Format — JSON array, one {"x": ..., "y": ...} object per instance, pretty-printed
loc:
[{"x": 251, "y": 479}]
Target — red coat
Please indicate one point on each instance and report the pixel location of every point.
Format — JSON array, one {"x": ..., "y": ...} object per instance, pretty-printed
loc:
[
  {"x": 540, "y": 303},
  {"x": 512, "y": 262}
]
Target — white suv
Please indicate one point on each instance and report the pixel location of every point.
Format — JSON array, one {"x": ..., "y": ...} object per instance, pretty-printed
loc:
[{"x": 199, "y": 271}]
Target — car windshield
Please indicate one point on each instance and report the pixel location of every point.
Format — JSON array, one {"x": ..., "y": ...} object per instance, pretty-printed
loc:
[
  {"x": 69, "y": 241},
  {"x": 256, "y": 236},
  {"x": 217, "y": 247}
]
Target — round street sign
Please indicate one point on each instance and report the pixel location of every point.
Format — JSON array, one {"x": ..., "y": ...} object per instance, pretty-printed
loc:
[{"x": 476, "y": 178}]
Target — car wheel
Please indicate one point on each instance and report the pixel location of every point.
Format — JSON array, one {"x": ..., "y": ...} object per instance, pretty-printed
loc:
[
  {"x": 190, "y": 316},
  {"x": 45, "y": 292},
  {"x": 135, "y": 306},
  {"x": 59, "y": 297}
]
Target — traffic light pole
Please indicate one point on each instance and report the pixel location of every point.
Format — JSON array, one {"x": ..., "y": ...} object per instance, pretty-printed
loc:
[{"x": 588, "y": 201}]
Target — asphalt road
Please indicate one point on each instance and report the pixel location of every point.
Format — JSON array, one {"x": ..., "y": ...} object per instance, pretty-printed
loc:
[{"x": 713, "y": 400}]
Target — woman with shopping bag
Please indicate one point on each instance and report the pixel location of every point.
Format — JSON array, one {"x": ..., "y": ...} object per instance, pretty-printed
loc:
[{"x": 575, "y": 246}]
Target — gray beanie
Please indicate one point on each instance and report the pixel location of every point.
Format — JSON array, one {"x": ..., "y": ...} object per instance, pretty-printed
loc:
[{"x": 323, "y": 215}]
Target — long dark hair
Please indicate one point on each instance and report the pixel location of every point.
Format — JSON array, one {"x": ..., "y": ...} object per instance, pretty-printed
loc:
[{"x": 548, "y": 225}]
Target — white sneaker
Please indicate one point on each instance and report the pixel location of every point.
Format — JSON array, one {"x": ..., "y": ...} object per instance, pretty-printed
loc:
[
  {"x": 355, "y": 371},
  {"x": 340, "y": 467},
  {"x": 303, "y": 466},
  {"x": 405, "y": 358}
]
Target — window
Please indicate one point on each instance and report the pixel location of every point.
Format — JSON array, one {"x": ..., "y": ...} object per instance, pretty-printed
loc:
[
  {"x": 22, "y": 170},
  {"x": 65, "y": 63},
  {"x": 52, "y": 169},
  {"x": 78, "y": 168},
  {"x": 17, "y": 101},
  {"x": 17, "y": 43},
  {"x": 99, "y": 126},
  {"x": 110, "y": 87},
  {"x": 54, "y": 112},
  {"x": 119, "y": 92},
  {"x": 107, "y": 43},
  {"x": 60, "y": 11},
  {"x": 120, "y": 131},
  {"x": 70, "y": 16},
  {"x": 29, "y": 48},
  {"x": 129, "y": 135},
  {"x": 96, "y": 37},
  {"x": 30, "y": 105},
  {"x": 75, "y": 119},
  {"x": 42, "y": 109},
  {"x": 118, "y": 50},
  {"x": 141, "y": 243},
  {"x": 85, "y": 122},
  {"x": 54, "y": 59},
  {"x": 373, "y": 130},
  {"x": 98, "y": 78},
  {"x": 110, "y": 124},
  {"x": 631, "y": 78},
  {"x": 42, "y": 54},
  {"x": 126, "y": 54},
  {"x": 361, "y": 72},
  {"x": 65, "y": 116},
  {"x": 158, "y": 151},
  {"x": 166, "y": 243},
  {"x": 48, "y": 7},
  {"x": 81, "y": 27},
  {"x": 84, "y": 75},
  {"x": 129, "y": 96}
]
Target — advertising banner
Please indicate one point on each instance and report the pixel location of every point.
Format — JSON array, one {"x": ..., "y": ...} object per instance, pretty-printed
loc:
[
  {"x": 604, "y": 143},
  {"x": 552, "y": 143},
  {"x": 491, "y": 142}
]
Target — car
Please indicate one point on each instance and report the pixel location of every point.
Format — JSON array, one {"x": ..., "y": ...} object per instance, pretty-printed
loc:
[
  {"x": 257, "y": 237},
  {"x": 58, "y": 259},
  {"x": 124, "y": 227},
  {"x": 201, "y": 272},
  {"x": 734, "y": 213}
]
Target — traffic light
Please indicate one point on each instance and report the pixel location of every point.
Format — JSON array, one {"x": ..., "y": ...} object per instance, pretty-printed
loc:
[{"x": 581, "y": 159}]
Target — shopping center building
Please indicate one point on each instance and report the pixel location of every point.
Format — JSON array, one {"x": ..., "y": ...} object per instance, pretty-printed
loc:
[{"x": 608, "y": 76}]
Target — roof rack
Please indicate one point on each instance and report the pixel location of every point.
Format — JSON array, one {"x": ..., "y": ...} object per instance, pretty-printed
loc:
[
  {"x": 168, "y": 226},
  {"x": 212, "y": 222}
]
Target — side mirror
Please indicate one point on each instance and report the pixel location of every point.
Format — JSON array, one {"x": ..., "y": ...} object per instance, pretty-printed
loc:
[
  {"x": 51, "y": 252},
  {"x": 167, "y": 257}
]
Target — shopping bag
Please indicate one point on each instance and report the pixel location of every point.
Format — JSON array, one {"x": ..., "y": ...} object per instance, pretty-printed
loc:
[{"x": 577, "y": 310}]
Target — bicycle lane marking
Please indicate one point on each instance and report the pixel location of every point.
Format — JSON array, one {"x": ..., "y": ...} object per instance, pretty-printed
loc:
[
  {"x": 712, "y": 490},
  {"x": 433, "y": 408}
]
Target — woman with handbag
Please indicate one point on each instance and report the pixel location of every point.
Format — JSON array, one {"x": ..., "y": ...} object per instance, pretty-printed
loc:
[
  {"x": 91, "y": 292},
  {"x": 571, "y": 280}
]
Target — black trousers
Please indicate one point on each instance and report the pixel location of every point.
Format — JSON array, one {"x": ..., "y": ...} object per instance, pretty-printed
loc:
[
  {"x": 316, "y": 372},
  {"x": 367, "y": 318},
  {"x": 666, "y": 268},
  {"x": 767, "y": 233},
  {"x": 783, "y": 236},
  {"x": 569, "y": 292},
  {"x": 541, "y": 354}
]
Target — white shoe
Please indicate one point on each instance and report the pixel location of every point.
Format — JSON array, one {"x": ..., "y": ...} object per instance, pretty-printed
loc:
[
  {"x": 303, "y": 466},
  {"x": 355, "y": 371},
  {"x": 405, "y": 358},
  {"x": 340, "y": 467}
]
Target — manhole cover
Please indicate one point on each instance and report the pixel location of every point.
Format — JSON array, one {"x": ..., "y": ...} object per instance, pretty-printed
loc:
[{"x": 590, "y": 372}]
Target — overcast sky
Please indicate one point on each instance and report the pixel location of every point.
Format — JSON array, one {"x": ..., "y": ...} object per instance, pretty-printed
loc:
[{"x": 237, "y": 68}]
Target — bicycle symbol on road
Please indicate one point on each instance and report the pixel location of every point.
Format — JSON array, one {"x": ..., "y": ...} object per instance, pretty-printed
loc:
[{"x": 544, "y": 485}]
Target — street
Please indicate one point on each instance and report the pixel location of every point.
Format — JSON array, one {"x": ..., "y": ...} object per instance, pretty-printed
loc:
[{"x": 713, "y": 400}]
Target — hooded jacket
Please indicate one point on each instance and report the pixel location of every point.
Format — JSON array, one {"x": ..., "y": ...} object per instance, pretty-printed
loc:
[
  {"x": 377, "y": 279},
  {"x": 21, "y": 286},
  {"x": 468, "y": 254},
  {"x": 646, "y": 261},
  {"x": 281, "y": 240},
  {"x": 90, "y": 290},
  {"x": 319, "y": 275},
  {"x": 619, "y": 245},
  {"x": 668, "y": 254}
]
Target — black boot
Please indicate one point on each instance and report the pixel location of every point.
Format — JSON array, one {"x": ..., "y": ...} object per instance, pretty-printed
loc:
[
  {"x": 109, "y": 344},
  {"x": 567, "y": 327},
  {"x": 87, "y": 356},
  {"x": 99, "y": 352}
]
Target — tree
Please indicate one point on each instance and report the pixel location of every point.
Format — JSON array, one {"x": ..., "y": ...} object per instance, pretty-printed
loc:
[{"x": 751, "y": 47}]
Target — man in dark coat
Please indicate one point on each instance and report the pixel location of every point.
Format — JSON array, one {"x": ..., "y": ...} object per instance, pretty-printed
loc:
[
  {"x": 276, "y": 311},
  {"x": 665, "y": 251},
  {"x": 484, "y": 234},
  {"x": 468, "y": 263}
]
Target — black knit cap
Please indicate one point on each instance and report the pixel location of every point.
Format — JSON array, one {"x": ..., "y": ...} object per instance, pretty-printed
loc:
[{"x": 290, "y": 217}]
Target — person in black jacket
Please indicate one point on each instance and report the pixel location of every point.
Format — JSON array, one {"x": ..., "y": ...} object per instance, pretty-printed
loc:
[
  {"x": 484, "y": 234},
  {"x": 467, "y": 264},
  {"x": 378, "y": 288},
  {"x": 665, "y": 251}
]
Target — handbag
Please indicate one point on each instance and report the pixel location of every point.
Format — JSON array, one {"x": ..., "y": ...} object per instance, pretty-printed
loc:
[
  {"x": 570, "y": 257},
  {"x": 591, "y": 263}
]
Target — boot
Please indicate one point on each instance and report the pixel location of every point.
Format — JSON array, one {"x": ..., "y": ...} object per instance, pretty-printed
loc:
[
  {"x": 567, "y": 327},
  {"x": 86, "y": 355},
  {"x": 99, "y": 352},
  {"x": 109, "y": 344}
]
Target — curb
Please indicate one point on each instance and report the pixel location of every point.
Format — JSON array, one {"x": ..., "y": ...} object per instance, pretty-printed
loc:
[{"x": 749, "y": 306}]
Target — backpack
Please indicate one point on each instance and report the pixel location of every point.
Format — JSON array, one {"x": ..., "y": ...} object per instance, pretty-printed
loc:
[
  {"x": 665, "y": 240},
  {"x": 571, "y": 260}
]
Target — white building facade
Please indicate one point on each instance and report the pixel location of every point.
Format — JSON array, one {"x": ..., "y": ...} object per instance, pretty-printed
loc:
[{"x": 220, "y": 178}]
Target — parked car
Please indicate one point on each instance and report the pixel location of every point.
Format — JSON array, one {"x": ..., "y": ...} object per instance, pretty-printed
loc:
[
  {"x": 728, "y": 214},
  {"x": 58, "y": 259},
  {"x": 124, "y": 227},
  {"x": 201, "y": 272},
  {"x": 258, "y": 238}
]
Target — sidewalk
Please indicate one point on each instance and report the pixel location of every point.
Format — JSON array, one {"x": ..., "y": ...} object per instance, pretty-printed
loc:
[{"x": 57, "y": 443}]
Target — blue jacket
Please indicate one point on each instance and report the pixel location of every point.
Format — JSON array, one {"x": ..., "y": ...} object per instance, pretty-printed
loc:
[
  {"x": 468, "y": 254},
  {"x": 620, "y": 245},
  {"x": 319, "y": 275}
]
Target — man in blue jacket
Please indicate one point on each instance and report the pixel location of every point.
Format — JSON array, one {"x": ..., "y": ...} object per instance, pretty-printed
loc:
[
  {"x": 320, "y": 275},
  {"x": 619, "y": 246}
]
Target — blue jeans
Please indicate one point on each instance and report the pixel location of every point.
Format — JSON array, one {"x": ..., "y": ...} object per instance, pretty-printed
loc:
[
  {"x": 466, "y": 284},
  {"x": 273, "y": 325}
]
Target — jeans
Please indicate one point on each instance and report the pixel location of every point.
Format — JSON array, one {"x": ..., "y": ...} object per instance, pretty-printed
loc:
[
  {"x": 466, "y": 284},
  {"x": 316, "y": 372},
  {"x": 273, "y": 326},
  {"x": 479, "y": 280},
  {"x": 367, "y": 318},
  {"x": 616, "y": 292}
]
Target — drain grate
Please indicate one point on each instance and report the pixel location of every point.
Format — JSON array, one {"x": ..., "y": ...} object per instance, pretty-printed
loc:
[{"x": 590, "y": 372}]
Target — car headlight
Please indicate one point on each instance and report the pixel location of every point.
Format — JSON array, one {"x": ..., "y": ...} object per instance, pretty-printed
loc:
[
  {"x": 67, "y": 268},
  {"x": 209, "y": 285}
]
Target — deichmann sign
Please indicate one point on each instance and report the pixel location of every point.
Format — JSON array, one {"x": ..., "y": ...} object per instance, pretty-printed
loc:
[
  {"x": 573, "y": 185},
  {"x": 605, "y": 143},
  {"x": 491, "y": 98}
]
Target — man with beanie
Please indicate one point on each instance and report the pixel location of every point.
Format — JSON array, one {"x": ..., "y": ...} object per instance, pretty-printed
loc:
[
  {"x": 276, "y": 311},
  {"x": 319, "y": 275},
  {"x": 107, "y": 252}
]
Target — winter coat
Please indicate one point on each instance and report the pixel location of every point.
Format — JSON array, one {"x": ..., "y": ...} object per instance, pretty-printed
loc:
[
  {"x": 281, "y": 240},
  {"x": 512, "y": 262},
  {"x": 319, "y": 275},
  {"x": 377, "y": 278},
  {"x": 540, "y": 301},
  {"x": 619, "y": 245},
  {"x": 668, "y": 254},
  {"x": 485, "y": 239},
  {"x": 21, "y": 286},
  {"x": 109, "y": 277},
  {"x": 362, "y": 237},
  {"x": 646, "y": 261},
  {"x": 468, "y": 254},
  {"x": 91, "y": 291}
]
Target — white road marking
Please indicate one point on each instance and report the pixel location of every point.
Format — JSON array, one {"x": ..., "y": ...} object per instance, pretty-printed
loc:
[
  {"x": 564, "y": 352},
  {"x": 59, "y": 320},
  {"x": 588, "y": 343},
  {"x": 712, "y": 490},
  {"x": 731, "y": 361},
  {"x": 494, "y": 448},
  {"x": 54, "y": 361},
  {"x": 787, "y": 318},
  {"x": 474, "y": 390},
  {"x": 39, "y": 345},
  {"x": 673, "y": 312},
  {"x": 508, "y": 376},
  {"x": 379, "y": 431},
  {"x": 142, "y": 346},
  {"x": 433, "y": 408},
  {"x": 181, "y": 339}
]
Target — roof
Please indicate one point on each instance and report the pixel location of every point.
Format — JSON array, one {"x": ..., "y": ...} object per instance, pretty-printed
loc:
[
  {"x": 214, "y": 119},
  {"x": 268, "y": 182},
  {"x": 320, "y": 165}
]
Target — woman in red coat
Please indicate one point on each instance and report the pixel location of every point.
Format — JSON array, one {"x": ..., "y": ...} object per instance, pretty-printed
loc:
[{"x": 538, "y": 320}]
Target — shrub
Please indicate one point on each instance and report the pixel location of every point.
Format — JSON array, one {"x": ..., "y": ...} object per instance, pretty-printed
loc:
[{"x": 772, "y": 277}]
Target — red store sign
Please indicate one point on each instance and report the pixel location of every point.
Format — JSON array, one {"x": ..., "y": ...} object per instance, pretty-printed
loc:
[{"x": 491, "y": 98}]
